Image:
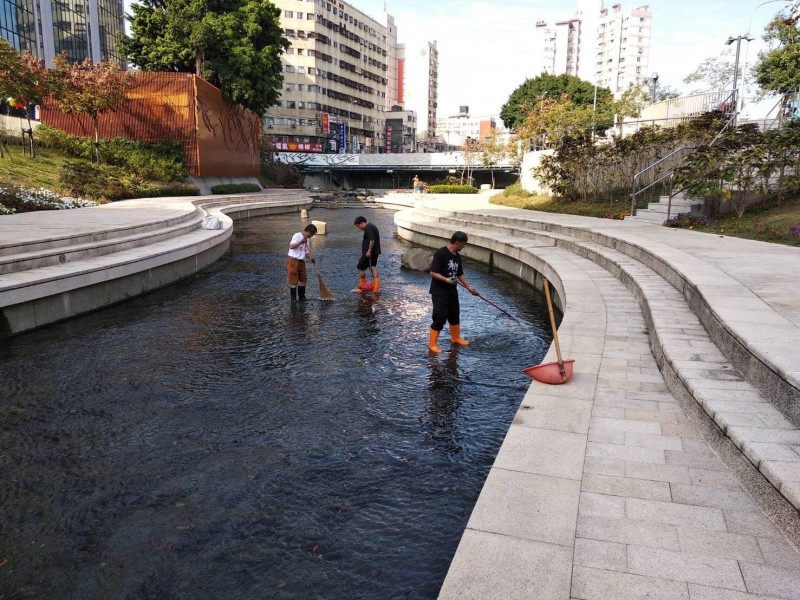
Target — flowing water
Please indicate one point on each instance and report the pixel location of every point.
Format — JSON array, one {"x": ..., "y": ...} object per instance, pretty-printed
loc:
[{"x": 214, "y": 440}]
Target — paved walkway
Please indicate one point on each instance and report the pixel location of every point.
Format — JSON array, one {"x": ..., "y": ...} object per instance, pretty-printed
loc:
[
  {"x": 619, "y": 484},
  {"x": 668, "y": 467}
]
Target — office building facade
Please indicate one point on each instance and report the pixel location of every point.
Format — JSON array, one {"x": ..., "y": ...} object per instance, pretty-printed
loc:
[
  {"x": 81, "y": 29},
  {"x": 418, "y": 85},
  {"x": 336, "y": 75}
]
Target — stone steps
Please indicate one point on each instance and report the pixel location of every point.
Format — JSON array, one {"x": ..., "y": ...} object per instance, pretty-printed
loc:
[
  {"x": 692, "y": 363},
  {"x": 56, "y": 266},
  {"x": 656, "y": 212}
]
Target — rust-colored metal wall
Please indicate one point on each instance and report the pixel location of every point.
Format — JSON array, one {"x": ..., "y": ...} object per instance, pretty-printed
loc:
[
  {"x": 227, "y": 134},
  {"x": 219, "y": 138}
]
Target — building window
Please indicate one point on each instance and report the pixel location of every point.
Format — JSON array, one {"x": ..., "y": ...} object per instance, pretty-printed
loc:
[{"x": 288, "y": 14}]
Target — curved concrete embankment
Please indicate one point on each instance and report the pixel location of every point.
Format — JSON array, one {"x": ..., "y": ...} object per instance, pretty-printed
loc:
[
  {"x": 668, "y": 467},
  {"x": 680, "y": 420},
  {"x": 55, "y": 265}
]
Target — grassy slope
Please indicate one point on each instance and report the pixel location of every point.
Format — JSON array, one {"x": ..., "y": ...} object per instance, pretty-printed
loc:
[{"x": 41, "y": 171}]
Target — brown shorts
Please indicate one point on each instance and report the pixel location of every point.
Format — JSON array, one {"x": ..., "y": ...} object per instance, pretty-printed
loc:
[{"x": 297, "y": 271}]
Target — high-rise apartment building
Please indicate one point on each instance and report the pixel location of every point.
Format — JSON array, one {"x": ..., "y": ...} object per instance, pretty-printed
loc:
[
  {"x": 336, "y": 75},
  {"x": 418, "y": 85},
  {"x": 82, "y": 29},
  {"x": 560, "y": 46},
  {"x": 623, "y": 48}
]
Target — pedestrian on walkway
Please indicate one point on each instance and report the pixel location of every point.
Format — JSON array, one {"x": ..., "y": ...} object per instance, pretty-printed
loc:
[
  {"x": 299, "y": 251},
  {"x": 446, "y": 273},
  {"x": 370, "y": 250}
]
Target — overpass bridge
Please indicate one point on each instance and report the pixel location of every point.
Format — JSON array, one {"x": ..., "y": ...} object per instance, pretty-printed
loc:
[{"x": 395, "y": 171}]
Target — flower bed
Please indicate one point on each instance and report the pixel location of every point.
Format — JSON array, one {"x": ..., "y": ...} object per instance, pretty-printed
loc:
[{"x": 22, "y": 199}]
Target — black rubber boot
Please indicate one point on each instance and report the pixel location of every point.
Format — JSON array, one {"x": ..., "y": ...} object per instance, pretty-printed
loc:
[
  {"x": 293, "y": 292},
  {"x": 301, "y": 293}
]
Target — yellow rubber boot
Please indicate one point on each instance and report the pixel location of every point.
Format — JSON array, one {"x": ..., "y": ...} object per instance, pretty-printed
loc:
[
  {"x": 376, "y": 283},
  {"x": 455, "y": 336},
  {"x": 359, "y": 289},
  {"x": 434, "y": 337}
]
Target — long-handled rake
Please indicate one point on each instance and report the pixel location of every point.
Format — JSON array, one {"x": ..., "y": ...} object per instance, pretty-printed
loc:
[{"x": 324, "y": 292}]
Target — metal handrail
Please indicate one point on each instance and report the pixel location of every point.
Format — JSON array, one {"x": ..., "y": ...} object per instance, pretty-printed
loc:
[{"x": 636, "y": 192}]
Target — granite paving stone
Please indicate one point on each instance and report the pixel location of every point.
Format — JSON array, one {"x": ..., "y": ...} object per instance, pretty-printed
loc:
[
  {"x": 683, "y": 566},
  {"x": 625, "y": 486},
  {"x": 598, "y": 584},
  {"x": 534, "y": 507},
  {"x": 628, "y": 531},
  {"x": 771, "y": 581}
]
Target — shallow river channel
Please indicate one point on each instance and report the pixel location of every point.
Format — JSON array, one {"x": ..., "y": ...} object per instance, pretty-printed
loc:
[{"x": 214, "y": 441}]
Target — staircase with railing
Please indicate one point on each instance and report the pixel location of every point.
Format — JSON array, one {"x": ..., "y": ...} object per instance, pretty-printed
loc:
[{"x": 662, "y": 172}]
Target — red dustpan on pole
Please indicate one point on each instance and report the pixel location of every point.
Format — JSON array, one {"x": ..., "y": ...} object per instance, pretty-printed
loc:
[{"x": 557, "y": 372}]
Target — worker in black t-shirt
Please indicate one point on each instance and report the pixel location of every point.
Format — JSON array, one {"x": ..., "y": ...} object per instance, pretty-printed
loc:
[
  {"x": 446, "y": 272},
  {"x": 370, "y": 250}
]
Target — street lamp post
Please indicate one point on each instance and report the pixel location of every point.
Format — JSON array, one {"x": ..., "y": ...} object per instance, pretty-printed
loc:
[
  {"x": 738, "y": 39},
  {"x": 654, "y": 79}
]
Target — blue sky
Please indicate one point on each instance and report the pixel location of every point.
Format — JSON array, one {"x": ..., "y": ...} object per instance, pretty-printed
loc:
[{"x": 485, "y": 46}]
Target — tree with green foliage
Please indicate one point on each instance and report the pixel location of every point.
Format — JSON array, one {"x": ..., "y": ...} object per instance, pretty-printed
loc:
[
  {"x": 234, "y": 44},
  {"x": 23, "y": 77},
  {"x": 492, "y": 150},
  {"x": 91, "y": 89},
  {"x": 534, "y": 91},
  {"x": 553, "y": 118},
  {"x": 778, "y": 70}
]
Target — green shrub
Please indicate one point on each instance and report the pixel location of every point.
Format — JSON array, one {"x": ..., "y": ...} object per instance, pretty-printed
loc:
[
  {"x": 89, "y": 180},
  {"x": 159, "y": 162},
  {"x": 169, "y": 189},
  {"x": 109, "y": 182},
  {"x": 452, "y": 189},
  {"x": 517, "y": 191},
  {"x": 235, "y": 188},
  {"x": 50, "y": 137}
]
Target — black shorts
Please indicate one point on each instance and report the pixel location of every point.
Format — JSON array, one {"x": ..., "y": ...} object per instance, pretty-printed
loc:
[{"x": 366, "y": 261}]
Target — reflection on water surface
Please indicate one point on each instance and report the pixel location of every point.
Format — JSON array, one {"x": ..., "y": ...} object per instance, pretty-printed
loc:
[{"x": 212, "y": 440}]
